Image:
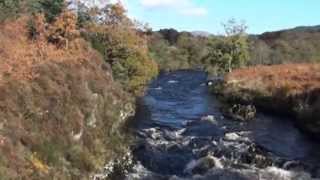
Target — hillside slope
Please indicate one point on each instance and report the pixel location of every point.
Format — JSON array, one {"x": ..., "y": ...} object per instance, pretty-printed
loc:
[
  {"x": 297, "y": 45},
  {"x": 60, "y": 110}
]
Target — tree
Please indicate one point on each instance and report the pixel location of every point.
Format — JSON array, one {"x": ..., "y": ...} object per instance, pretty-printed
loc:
[
  {"x": 231, "y": 50},
  {"x": 115, "y": 14},
  {"x": 260, "y": 52},
  {"x": 52, "y": 8},
  {"x": 171, "y": 35},
  {"x": 125, "y": 48},
  {"x": 234, "y": 28},
  {"x": 83, "y": 14}
]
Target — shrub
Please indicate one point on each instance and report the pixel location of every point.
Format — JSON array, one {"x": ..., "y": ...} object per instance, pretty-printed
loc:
[
  {"x": 232, "y": 50},
  {"x": 52, "y": 8},
  {"x": 63, "y": 30},
  {"x": 36, "y": 27},
  {"x": 131, "y": 66},
  {"x": 48, "y": 151},
  {"x": 9, "y": 8},
  {"x": 81, "y": 158}
]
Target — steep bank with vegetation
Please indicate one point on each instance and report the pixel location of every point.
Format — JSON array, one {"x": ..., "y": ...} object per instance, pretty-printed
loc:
[
  {"x": 68, "y": 80},
  {"x": 60, "y": 109},
  {"x": 291, "y": 89}
]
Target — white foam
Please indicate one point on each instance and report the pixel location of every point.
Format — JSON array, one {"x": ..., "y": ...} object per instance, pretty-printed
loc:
[
  {"x": 196, "y": 163},
  {"x": 275, "y": 173},
  {"x": 172, "y": 82},
  {"x": 157, "y": 88},
  {"x": 139, "y": 172}
]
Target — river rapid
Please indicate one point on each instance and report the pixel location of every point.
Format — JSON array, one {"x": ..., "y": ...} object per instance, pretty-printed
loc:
[{"x": 181, "y": 134}]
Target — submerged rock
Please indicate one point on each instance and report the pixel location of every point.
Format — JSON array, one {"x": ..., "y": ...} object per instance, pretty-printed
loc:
[
  {"x": 242, "y": 112},
  {"x": 293, "y": 165}
]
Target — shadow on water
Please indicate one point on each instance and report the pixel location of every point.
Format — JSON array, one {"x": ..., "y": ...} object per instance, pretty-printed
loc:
[{"x": 181, "y": 133}]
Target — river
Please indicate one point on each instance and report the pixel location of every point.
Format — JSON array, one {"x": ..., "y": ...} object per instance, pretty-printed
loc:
[{"x": 181, "y": 134}]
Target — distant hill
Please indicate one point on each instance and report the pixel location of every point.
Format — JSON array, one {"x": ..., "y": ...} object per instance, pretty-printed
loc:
[
  {"x": 201, "y": 33},
  {"x": 307, "y": 28},
  {"x": 300, "y": 44},
  {"x": 297, "y": 45}
]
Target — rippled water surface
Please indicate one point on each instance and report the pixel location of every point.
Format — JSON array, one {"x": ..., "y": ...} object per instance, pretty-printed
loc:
[{"x": 183, "y": 135}]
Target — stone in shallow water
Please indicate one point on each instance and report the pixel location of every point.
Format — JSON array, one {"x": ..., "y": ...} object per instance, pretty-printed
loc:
[
  {"x": 172, "y": 135},
  {"x": 242, "y": 112},
  {"x": 231, "y": 137},
  {"x": 209, "y": 118},
  {"x": 202, "y": 165},
  {"x": 236, "y": 137}
]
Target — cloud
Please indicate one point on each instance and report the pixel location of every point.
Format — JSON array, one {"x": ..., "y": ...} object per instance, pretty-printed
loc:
[
  {"x": 183, "y": 7},
  {"x": 196, "y": 11},
  {"x": 102, "y": 3},
  {"x": 162, "y": 3}
]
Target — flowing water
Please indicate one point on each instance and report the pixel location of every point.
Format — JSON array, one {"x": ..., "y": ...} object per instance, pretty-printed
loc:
[{"x": 182, "y": 134}]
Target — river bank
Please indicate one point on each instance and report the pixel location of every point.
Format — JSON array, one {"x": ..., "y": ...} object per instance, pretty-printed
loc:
[{"x": 292, "y": 89}]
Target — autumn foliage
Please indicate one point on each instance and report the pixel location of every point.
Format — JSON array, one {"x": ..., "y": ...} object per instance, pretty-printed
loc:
[
  {"x": 63, "y": 30},
  {"x": 123, "y": 46},
  {"x": 59, "y": 105},
  {"x": 19, "y": 53}
]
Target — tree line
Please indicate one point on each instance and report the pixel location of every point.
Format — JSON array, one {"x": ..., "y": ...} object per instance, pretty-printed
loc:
[
  {"x": 216, "y": 54},
  {"x": 235, "y": 48},
  {"x": 120, "y": 41},
  {"x": 134, "y": 51}
]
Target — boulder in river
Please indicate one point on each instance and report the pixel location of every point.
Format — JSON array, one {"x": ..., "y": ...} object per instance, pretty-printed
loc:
[
  {"x": 209, "y": 118},
  {"x": 203, "y": 165},
  {"x": 242, "y": 112},
  {"x": 232, "y": 137}
]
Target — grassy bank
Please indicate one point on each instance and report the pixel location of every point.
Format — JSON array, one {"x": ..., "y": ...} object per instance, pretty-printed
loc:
[{"x": 291, "y": 89}]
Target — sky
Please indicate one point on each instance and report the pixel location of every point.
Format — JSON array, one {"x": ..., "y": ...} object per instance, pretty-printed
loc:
[{"x": 208, "y": 15}]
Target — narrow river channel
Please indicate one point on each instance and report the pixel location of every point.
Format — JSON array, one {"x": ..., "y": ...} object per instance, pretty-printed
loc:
[{"x": 182, "y": 134}]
